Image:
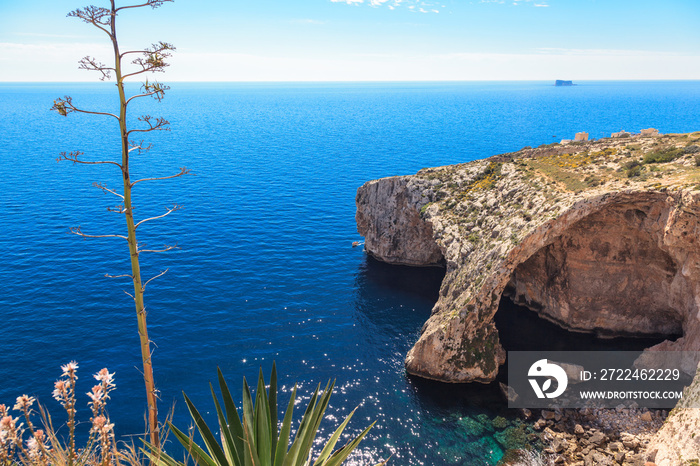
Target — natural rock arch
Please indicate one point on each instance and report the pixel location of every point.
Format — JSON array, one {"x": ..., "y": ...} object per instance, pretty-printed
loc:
[{"x": 609, "y": 273}]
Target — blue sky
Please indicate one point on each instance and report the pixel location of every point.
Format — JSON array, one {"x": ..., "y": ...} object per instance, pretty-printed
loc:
[{"x": 368, "y": 40}]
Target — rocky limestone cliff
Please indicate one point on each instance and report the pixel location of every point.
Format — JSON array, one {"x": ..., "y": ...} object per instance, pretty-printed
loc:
[
  {"x": 597, "y": 237},
  {"x": 409, "y": 242}
]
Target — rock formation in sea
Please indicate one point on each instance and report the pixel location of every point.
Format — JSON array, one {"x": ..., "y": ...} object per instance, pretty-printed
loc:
[{"x": 598, "y": 237}]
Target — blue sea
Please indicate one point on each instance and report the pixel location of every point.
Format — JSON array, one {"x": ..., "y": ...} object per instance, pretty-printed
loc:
[{"x": 264, "y": 269}]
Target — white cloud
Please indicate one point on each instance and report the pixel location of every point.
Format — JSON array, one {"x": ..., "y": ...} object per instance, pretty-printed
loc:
[
  {"x": 392, "y": 4},
  {"x": 517, "y": 2}
]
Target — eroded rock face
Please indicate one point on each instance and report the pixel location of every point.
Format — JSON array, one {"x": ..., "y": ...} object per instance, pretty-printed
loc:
[
  {"x": 563, "y": 230},
  {"x": 391, "y": 223}
]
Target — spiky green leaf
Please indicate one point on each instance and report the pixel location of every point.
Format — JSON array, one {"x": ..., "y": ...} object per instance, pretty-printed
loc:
[
  {"x": 341, "y": 455},
  {"x": 283, "y": 441},
  {"x": 234, "y": 421},
  {"x": 215, "y": 451},
  {"x": 330, "y": 445},
  {"x": 198, "y": 454},
  {"x": 233, "y": 456}
]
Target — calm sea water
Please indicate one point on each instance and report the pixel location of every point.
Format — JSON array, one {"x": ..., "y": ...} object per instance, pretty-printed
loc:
[{"x": 265, "y": 269}]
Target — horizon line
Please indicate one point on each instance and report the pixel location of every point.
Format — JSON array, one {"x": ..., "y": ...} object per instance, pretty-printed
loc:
[{"x": 366, "y": 81}]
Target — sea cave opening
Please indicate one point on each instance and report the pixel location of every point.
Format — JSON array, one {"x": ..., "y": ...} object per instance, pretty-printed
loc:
[
  {"x": 606, "y": 283},
  {"x": 521, "y": 329}
]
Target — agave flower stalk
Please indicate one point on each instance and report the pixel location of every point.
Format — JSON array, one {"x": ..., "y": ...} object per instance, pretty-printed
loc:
[{"x": 148, "y": 60}]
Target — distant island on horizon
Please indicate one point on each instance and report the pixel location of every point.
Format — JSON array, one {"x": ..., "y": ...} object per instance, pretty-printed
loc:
[{"x": 561, "y": 82}]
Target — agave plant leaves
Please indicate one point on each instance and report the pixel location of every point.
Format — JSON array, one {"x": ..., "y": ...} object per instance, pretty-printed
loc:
[{"x": 256, "y": 438}]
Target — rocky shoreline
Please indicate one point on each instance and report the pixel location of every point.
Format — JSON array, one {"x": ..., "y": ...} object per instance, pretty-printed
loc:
[
  {"x": 595, "y": 236},
  {"x": 599, "y": 436}
]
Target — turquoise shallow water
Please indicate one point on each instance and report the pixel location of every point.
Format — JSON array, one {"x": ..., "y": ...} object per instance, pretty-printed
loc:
[{"x": 265, "y": 270}]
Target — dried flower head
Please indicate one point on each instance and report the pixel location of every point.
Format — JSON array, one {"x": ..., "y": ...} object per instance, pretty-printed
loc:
[
  {"x": 6, "y": 423},
  {"x": 105, "y": 377},
  {"x": 97, "y": 397},
  {"x": 9, "y": 428},
  {"x": 33, "y": 448},
  {"x": 60, "y": 392},
  {"x": 70, "y": 369},
  {"x": 97, "y": 394},
  {"x": 101, "y": 425},
  {"x": 24, "y": 402}
]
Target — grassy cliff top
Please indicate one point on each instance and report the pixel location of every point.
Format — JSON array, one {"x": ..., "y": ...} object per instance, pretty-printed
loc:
[{"x": 670, "y": 161}]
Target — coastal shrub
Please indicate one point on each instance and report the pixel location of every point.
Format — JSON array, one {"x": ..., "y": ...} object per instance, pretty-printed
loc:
[
  {"x": 577, "y": 160},
  {"x": 592, "y": 180},
  {"x": 662, "y": 156},
  {"x": 255, "y": 437},
  {"x": 697, "y": 160},
  {"x": 632, "y": 168},
  {"x": 487, "y": 179},
  {"x": 634, "y": 171},
  {"x": 605, "y": 152},
  {"x": 691, "y": 149},
  {"x": 483, "y": 181}
]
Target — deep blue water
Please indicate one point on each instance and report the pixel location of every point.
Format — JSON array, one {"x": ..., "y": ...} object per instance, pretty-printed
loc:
[{"x": 265, "y": 269}]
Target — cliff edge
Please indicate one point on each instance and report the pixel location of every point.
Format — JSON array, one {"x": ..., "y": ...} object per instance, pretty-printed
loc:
[{"x": 597, "y": 237}]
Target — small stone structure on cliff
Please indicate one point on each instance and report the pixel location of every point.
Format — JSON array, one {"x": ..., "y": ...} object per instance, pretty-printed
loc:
[{"x": 599, "y": 237}]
